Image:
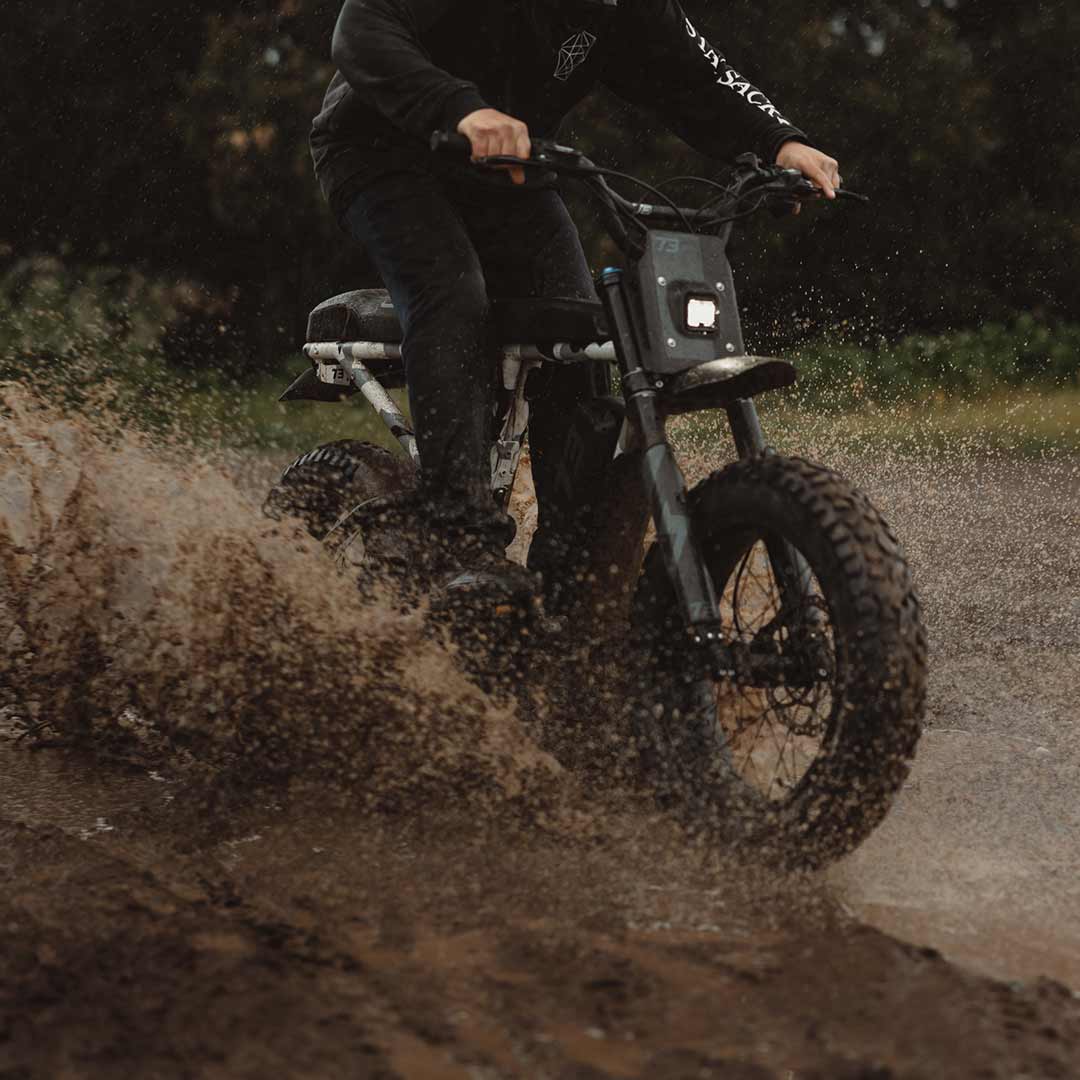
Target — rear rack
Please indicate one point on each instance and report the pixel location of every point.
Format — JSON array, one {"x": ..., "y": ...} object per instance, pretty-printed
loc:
[
  {"x": 338, "y": 352},
  {"x": 339, "y": 369}
]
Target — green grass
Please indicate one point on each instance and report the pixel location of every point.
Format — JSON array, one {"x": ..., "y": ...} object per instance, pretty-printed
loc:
[
  {"x": 972, "y": 363},
  {"x": 1023, "y": 422},
  {"x": 249, "y": 415},
  {"x": 94, "y": 338}
]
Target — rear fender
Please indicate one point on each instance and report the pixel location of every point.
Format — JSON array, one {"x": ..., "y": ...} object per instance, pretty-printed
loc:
[{"x": 309, "y": 387}]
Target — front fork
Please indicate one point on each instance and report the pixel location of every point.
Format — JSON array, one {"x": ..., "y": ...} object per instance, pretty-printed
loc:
[
  {"x": 664, "y": 483},
  {"x": 794, "y": 577},
  {"x": 665, "y": 487}
]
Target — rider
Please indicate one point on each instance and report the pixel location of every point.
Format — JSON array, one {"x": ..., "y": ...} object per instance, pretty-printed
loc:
[{"x": 441, "y": 233}]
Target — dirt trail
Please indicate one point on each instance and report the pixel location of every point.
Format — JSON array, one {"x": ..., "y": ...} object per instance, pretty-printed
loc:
[
  {"x": 341, "y": 859},
  {"x": 981, "y": 855}
]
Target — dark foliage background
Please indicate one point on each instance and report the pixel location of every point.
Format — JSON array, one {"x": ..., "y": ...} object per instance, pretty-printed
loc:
[{"x": 171, "y": 138}]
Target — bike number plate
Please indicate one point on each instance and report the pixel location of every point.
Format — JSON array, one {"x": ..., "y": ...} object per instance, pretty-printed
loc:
[{"x": 687, "y": 297}]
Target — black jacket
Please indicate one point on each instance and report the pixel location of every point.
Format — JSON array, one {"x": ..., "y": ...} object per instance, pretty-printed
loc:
[{"x": 409, "y": 67}]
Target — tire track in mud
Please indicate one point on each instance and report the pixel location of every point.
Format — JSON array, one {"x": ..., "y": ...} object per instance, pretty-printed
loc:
[{"x": 407, "y": 885}]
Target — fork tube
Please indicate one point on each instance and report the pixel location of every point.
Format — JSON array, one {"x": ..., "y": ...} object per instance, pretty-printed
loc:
[
  {"x": 745, "y": 427},
  {"x": 793, "y": 575},
  {"x": 663, "y": 479}
]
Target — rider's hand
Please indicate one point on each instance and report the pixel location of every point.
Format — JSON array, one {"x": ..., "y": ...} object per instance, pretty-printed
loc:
[
  {"x": 493, "y": 133},
  {"x": 813, "y": 164}
]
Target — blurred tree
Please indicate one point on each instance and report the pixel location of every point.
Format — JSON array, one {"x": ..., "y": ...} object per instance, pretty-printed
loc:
[
  {"x": 90, "y": 165},
  {"x": 245, "y": 113},
  {"x": 1030, "y": 55},
  {"x": 174, "y": 136},
  {"x": 892, "y": 92}
]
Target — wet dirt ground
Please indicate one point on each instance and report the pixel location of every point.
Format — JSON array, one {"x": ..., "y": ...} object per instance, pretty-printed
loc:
[{"x": 441, "y": 898}]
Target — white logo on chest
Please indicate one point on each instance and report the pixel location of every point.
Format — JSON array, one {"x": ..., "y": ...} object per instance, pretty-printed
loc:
[{"x": 572, "y": 53}]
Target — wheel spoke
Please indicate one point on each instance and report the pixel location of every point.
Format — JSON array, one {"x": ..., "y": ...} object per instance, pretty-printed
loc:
[{"x": 775, "y": 731}]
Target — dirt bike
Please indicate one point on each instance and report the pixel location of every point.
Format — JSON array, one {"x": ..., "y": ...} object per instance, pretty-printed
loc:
[{"x": 779, "y": 662}]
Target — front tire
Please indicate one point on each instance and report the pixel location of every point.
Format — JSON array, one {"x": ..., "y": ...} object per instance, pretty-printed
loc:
[{"x": 800, "y": 771}]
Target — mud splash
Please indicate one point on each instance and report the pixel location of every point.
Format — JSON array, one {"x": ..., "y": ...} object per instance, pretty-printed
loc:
[{"x": 145, "y": 598}]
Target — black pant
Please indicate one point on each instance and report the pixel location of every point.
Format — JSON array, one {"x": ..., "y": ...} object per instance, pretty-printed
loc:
[{"x": 442, "y": 246}]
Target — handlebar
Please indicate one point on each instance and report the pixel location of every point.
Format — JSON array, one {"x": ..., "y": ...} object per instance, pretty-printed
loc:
[
  {"x": 773, "y": 186},
  {"x": 450, "y": 142}
]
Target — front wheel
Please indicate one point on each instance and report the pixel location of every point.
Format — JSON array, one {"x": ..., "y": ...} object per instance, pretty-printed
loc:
[{"x": 796, "y": 753}]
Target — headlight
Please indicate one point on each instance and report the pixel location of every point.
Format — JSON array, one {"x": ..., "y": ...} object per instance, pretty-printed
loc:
[{"x": 701, "y": 312}]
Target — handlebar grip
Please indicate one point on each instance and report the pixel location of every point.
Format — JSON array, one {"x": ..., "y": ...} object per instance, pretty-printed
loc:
[{"x": 450, "y": 142}]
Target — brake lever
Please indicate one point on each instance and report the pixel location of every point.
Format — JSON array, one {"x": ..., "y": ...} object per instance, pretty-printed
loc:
[
  {"x": 810, "y": 190},
  {"x": 505, "y": 161},
  {"x": 542, "y": 160},
  {"x": 783, "y": 203}
]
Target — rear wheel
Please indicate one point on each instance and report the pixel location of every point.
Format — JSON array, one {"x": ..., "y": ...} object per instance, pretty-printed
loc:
[
  {"x": 336, "y": 491},
  {"x": 797, "y": 754}
]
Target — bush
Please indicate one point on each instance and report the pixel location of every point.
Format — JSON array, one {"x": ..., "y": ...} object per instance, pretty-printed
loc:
[
  {"x": 88, "y": 336},
  {"x": 966, "y": 362},
  {"x": 133, "y": 351}
]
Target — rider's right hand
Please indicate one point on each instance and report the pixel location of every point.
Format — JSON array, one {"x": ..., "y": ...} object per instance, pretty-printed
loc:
[
  {"x": 492, "y": 133},
  {"x": 817, "y": 167}
]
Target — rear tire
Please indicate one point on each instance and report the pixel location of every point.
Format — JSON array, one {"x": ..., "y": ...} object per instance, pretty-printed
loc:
[
  {"x": 855, "y": 718},
  {"x": 353, "y": 497},
  {"x": 323, "y": 485}
]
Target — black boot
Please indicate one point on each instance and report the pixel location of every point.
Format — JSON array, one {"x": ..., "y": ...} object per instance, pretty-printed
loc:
[{"x": 469, "y": 546}]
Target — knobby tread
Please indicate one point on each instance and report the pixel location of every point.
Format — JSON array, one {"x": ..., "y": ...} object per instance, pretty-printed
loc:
[
  {"x": 345, "y": 454},
  {"x": 877, "y": 624},
  {"x": 324, "y": 483}
]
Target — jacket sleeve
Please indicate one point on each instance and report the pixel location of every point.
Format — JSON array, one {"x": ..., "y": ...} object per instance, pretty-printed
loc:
[
  {"x": 377, "y": 49},
  {"x": 663, "y": 63}
]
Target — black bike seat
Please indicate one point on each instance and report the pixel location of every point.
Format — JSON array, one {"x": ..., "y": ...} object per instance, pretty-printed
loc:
[{"x": 369, "y": 315}]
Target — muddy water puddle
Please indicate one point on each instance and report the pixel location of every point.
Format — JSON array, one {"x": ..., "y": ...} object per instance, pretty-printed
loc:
[
  {"x": 44, "y": 787},
  {"x": 980, "y": 857}
]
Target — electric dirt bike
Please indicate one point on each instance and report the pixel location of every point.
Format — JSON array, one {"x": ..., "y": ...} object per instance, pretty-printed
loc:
[{"x": 778, "y": 662}]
